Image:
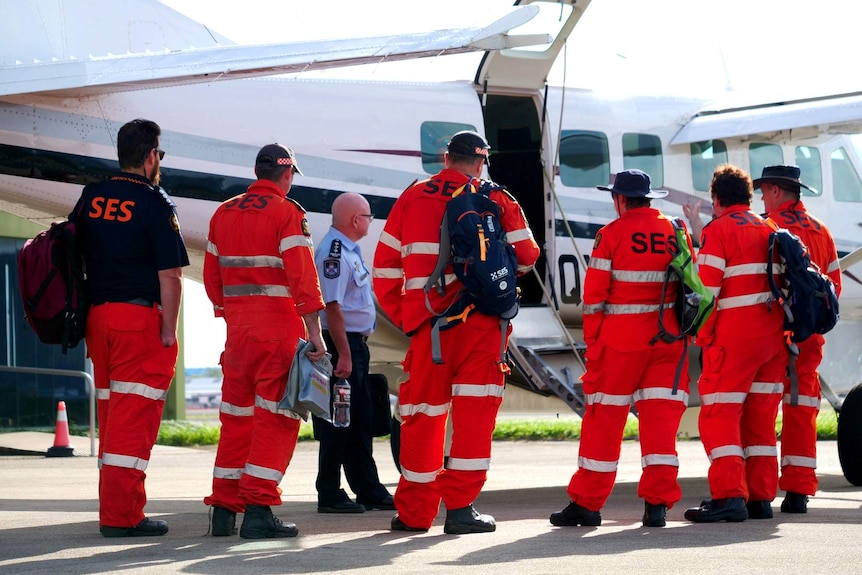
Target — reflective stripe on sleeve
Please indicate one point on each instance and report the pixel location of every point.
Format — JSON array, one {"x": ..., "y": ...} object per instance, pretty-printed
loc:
[
  {"x": 391, "y": 241},
  {"x": 294, "y": 242},
  {"x": 602, "y": 264},
  {"x": 424, "y": 248},
  {"x": 212, "y": 248},
  {"x": 711, "y": 261},
  {"x": 638, "y": 276},
  {"x": 744, "y": 300},
  {"x": 515, "y": 236},
  {"x": 251, "y": 262}
]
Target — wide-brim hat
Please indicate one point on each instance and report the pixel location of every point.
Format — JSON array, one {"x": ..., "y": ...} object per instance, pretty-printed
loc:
[
  {"x": 469, "y": 143},
  {"x": 273, "y": 155},
  {"x": 633, "y": 184},
  {"x": 782, "y": 175}
]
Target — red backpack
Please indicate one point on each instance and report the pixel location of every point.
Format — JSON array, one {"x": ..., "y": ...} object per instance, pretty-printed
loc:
[{"x": 51, "y": 281}]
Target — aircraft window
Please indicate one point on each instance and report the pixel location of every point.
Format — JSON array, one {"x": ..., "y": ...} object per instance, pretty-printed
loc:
[
  {"x": 643, "y": 152},
  {"x": 584, "y": 159},
  {"x": 705, "y": 158},
  {"x": 808, "y": 160},
  {"x": 762, "y": 155},
  {"x": 846, "y": 185},
  {"x": 433, "y": 137}
]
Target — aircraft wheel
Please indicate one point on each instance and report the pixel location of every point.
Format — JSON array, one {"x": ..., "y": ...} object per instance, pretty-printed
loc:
[
  {"x": 850, "y": 436},
  {"x": 395, "y": 442}
]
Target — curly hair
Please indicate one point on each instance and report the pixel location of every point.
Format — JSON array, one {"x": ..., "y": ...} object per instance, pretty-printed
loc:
[{"x": 731, "y": 186}]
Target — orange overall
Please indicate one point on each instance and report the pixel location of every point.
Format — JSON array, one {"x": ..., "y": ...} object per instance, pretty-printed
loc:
[
  {"x": 622, "y": 300},
  {"x": 470, "y": 380},
  {"x": 744, "y": 358},
  {"x": 259, "y": 273},
  {"x": 799, "y": 422}
]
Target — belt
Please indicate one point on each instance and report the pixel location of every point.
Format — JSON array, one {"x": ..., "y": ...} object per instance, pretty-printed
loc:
[
  {"x": 139, "y": 301},
  {"x": 351, "y": 335}
]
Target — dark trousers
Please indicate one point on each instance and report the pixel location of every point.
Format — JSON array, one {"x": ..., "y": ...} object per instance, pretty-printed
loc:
[{"x": 349, "y": 447}]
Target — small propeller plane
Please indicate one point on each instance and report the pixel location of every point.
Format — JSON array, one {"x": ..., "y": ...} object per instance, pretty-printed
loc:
[{"x": 64, "y": 93}]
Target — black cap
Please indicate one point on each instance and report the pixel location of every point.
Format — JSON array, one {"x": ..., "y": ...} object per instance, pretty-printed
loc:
[
  {"x": 272, "y": 155},
  {"x": 469, "y": 143},
  {"x": 633, "y": 184},
  {"x": 781, "y": 174}
]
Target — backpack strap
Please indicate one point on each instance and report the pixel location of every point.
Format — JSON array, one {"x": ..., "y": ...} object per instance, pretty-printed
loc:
[{"x": 442, "y": 322}]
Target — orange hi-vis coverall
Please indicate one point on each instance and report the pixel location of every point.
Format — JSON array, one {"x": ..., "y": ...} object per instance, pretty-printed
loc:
[
  {"x": 259, "y": 273},
  {"x": 622, "y": 300},
  {"x": 744, "y": 358},
  {"x": 470, "y": 379},
  {"x": 799, "y": 422}
]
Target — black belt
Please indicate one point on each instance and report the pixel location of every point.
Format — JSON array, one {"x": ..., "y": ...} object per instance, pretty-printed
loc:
[
  {"x": 139, "y": 301},
  {"x": 351, "y": 335}
]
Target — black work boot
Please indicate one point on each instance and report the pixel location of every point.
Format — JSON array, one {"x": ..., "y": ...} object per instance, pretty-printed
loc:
[
  {"x": 467, "y": 520},
  {"x": 146, "y": 528},
  {"x": 398, "y": 525},
  {"x": 223, "y": 522},
  {"x": 759, "y": 509},
  {"x": 654, "y": 515},
  {"x": 731, "y": 509},
  {"x": 794, "y": 503},
  {"x": 260, "y": 523},
  {"x": 574, "y": 514}
]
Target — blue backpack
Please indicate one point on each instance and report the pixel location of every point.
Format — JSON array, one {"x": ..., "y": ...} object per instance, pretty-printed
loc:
[{"x": 473, "y": 240}]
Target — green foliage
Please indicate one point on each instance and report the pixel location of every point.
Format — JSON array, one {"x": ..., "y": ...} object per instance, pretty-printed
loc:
[{"x": 194, "y": 433}]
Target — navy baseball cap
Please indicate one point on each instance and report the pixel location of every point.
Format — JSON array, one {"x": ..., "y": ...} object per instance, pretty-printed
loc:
[
  {"x": 273, "y": 155},
  {"x": 469, "y": 143},
  {"x": 633, "y": 184}
]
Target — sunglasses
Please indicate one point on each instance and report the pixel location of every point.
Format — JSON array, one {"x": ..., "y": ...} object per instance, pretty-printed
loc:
[{"x": 161, "y": 153}]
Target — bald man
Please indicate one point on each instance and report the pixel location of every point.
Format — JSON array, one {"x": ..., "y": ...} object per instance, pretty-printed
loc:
[{"x": 347, "y": 322}]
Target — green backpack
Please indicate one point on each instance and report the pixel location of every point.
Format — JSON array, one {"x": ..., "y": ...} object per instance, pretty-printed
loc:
[{"x": 694, "y": 302}]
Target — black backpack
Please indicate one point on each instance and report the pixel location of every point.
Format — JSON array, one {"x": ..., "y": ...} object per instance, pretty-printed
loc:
[
  {"x": 809, "y": 300},
  {"x": 473, "y": 240},
  {"x": 51, "y": 281}
]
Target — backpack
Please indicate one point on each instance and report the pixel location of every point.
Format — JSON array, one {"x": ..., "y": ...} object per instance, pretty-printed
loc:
[
  {"x": 809, "y": 300},
  {"x": 694, "y": 302},
  {"x": 473, "y": 240},
  {"x": 51, "y": 282}
]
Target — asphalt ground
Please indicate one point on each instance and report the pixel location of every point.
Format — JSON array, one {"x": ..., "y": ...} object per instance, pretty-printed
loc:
[{"x": 49, "y": 522}]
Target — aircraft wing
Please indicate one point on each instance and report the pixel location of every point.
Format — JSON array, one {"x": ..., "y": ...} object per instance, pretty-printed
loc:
[
  {"x": 837, "y": 114},
  {"x": 151, "y": 69}
]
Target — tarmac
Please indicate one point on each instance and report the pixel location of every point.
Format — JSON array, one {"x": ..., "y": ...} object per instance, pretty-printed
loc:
[{"x": 49, "y": 522}]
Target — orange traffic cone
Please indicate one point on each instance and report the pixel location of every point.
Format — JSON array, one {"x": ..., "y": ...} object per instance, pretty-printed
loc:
[{"x": 62, "y": 445}]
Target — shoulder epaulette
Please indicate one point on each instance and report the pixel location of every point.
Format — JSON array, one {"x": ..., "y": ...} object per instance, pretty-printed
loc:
[
  {"x": 297, "y": 204},
  {"x": 335, "y": 248},
  {"x": 170, "y": 202}
]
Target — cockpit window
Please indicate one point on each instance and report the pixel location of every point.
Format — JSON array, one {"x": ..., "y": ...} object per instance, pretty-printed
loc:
[
  {"x": 584, "y": 159},
  {"x": 643, "y": 152},
  {"x": 808, "y": 160},
  {"x": 846, "y": 185},
  {"x": 705, "y": 158},
  {"x": 433, "y": 137}
]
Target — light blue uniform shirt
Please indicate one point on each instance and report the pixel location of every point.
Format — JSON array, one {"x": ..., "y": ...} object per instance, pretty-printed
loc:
[{"x": 345, "y": 279}]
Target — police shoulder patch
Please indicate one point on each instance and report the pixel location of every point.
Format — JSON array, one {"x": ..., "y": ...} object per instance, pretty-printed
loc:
[
  {"x": 175, "y": 223},
  {"x": 331, "y": 268},
  {"x": 598, "y": 241},
  {"x": 306, "y": 231}
]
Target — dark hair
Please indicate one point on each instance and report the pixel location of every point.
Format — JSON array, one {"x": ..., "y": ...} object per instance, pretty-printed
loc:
[
  {"x": 462, "y": 160},
  {"x": 632, "y": 203},
  {"x": 731, "y": 186},
  {"x": 135, "y": 140},
  {"x": 271, "y": 173}
]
